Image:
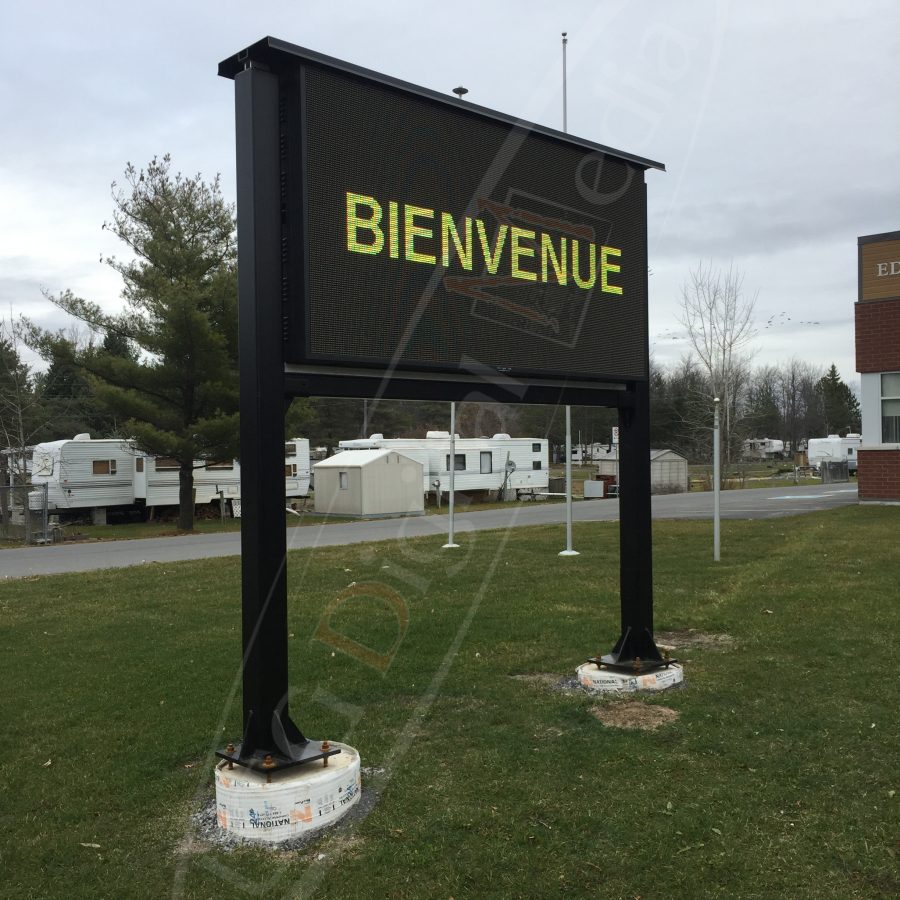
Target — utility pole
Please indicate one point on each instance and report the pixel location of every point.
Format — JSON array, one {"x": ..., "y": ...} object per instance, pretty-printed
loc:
[
  {"x": 565, "y": 41},
  {"x": 568, "y": 551}
]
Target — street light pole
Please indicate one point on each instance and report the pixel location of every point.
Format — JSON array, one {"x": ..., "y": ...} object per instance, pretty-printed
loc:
[
  {"x": 451, "y": 542},
  {"x": 716, "y": 479},
  {"x": 568, "y": 551}
]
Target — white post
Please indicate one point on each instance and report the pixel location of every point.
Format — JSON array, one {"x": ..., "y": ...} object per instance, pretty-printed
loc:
[
  {"x": 568, "y": 551},
  {"x": 716, "y": 480},
  {"x": 452, "y": 467},
  {"x": 565, "y": 41}
]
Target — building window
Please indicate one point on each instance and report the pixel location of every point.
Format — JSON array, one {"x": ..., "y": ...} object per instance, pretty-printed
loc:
[
  {"x": 290, "y": 449},
  {"x": 535, "y": 448},
  {"x": 460, "y": 462},
  {"x": 343, "y": 481},
  {"x": 227, "y": 465},
  {"x": 166, "y": 464},
  {"x": 104, "y": 466},
  {"x": 486, "y": 461},
  {"x": 139, "y": 464},
  {"x": 290, "y": 470},
  {"x": 890, "y": 408},
  {"x": 536, "y": 465}
]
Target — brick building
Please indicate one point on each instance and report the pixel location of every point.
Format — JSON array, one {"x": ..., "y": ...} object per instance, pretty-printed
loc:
[{"x": 878, "y": 362}]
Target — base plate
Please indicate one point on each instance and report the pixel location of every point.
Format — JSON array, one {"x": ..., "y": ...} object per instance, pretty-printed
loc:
[{"x": 275, "y": 762}]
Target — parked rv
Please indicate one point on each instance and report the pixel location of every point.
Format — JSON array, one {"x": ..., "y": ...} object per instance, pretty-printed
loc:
[
  {"x": 834, "y": 448},
  {"x": 97, "y": 474},
  {"x": 758, "y": 449},
  {"x": 515, "y": 466}
]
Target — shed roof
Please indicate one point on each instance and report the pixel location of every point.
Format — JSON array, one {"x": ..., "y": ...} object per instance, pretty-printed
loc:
[
  {"x": 356, "y": 459},
  {"x": 613, "y": 454}
]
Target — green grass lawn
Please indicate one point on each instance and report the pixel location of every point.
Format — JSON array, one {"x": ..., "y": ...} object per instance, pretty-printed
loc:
[{"x": 777, "y": 779}]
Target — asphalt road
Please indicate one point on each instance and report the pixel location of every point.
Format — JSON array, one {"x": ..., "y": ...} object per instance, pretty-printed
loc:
[{"x": 759, "y": 503}]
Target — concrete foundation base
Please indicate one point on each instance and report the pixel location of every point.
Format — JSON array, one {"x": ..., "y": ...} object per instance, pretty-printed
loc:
[
  {"x": 599, "y": 679},
  {"x": 274, "y": 807}
]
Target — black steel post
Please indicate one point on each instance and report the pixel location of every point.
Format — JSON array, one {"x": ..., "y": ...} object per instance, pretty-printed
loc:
[
  {"x": 635, "y": 650},
  {"x": 271, "y": 739}
]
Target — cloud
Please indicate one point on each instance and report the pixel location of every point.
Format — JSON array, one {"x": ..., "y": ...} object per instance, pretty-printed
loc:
[{"x": 776, "y": 222}]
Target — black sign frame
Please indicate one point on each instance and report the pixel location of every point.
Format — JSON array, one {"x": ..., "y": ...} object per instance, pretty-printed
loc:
[{"x": 269, "y": 244}]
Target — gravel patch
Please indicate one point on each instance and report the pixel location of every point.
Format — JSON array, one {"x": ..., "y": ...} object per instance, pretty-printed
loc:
[{"x": 563, "y": 684}]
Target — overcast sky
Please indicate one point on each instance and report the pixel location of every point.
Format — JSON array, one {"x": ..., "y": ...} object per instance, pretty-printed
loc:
[{"x": 778, "y": 123}]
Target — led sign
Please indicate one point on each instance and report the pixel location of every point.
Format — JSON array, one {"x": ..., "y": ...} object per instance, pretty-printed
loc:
[{"x": 423, "y": 234}]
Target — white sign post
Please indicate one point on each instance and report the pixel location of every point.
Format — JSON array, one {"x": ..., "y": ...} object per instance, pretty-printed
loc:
[
  {"x": 451, "y": 542},
  {"x": 568, "y": 551}
]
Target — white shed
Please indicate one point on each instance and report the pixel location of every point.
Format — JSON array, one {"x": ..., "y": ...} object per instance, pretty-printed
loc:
[
  {"x": 668, "y": 470},
  {"x": 369, "y": 483}
]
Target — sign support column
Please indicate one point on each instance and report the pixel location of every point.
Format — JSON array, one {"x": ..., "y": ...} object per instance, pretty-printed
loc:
[{"x": 271, "y": 739}]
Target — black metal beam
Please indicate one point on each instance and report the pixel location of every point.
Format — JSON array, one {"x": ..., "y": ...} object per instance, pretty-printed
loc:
[
  {"x": 271, "y": 740},
  {"x": 635, "y": 649},
  {"x": 400, "y": 387}
]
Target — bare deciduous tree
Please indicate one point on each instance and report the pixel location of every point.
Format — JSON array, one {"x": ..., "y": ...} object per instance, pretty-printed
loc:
[
  {"x": 799, "y": 402},
  {"x": 19, "y": 405},
  {"x": 718, "y": 316}
]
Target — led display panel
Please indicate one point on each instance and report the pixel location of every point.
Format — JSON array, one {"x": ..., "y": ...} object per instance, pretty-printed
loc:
[{"x": 436, "y": 238}]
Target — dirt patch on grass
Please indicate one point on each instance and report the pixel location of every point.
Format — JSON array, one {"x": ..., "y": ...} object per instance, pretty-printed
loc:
[
  {"x": 690, "y": 638},
  {"x": 633, "y": 714}
]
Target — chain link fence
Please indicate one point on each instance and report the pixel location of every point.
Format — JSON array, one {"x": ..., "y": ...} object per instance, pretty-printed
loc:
[
  {"x": 834, "y": 472},
  {"x": 24, "y": 514}
]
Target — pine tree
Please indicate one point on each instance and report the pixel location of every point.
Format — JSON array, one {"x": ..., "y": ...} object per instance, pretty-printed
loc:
[
  {"x": 169, "y": 368},
  {"x": 839, "y": 405}
]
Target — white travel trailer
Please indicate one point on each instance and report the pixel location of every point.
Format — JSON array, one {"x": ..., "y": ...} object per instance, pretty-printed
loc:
[
  {"x": 96, "y": 474},
  {"x": 85, "y": 474},
  {"x": 762, "y": 448},
  {"x": 834, "y": 448},
  {"x": 156, "y": 478},
  {"x": 518, "y": 465}
]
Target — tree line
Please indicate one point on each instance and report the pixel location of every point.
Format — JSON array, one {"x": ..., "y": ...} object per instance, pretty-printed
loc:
[{"x": 163, "y": 370}]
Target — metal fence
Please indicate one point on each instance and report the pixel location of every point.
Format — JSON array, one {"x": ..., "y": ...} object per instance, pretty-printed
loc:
[
  {"x": 834, "y": 472},
  {"x": 24, "y": 514}
]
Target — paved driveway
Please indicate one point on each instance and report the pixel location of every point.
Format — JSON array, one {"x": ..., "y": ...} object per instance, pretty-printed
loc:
[{"x": 747, "y": 504}]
